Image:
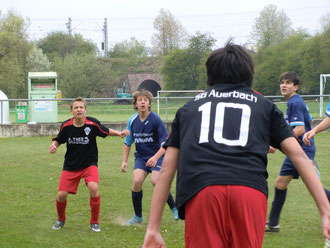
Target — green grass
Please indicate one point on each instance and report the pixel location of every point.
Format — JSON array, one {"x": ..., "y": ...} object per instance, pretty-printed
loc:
[{"x": 29, "y": 178}]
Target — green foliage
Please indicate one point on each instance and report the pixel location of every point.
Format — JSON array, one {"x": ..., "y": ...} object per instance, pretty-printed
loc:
[
  {"x": 38, "y": 61},
  {"x": 81, "y": 75},
  {"x": 183, "y": 69},
  {"x": 14, "y": 49},
  {"x": 129, "y": 49},
  {"x": 61, "y": 44}
]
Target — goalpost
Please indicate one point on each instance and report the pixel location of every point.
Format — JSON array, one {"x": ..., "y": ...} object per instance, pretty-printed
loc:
[
  {"x": 323, "y": 82},
  {"x": 179, "y": 94}
]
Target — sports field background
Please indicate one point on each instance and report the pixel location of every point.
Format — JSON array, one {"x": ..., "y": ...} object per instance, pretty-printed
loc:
[{"x": 29, "y": 178}]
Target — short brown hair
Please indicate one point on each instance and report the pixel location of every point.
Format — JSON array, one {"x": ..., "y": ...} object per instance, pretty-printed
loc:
[
  {"x": 78, "y": 99},
  {"x": 144, "y": 93}
]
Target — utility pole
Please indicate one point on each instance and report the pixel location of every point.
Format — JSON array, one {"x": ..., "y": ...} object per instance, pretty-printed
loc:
[
  {"x": 105, "y": 32},
  {"x": 69, "y": 27}
]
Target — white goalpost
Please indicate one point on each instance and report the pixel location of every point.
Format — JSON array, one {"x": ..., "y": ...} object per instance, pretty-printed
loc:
[
  {"x": 323, "y": 82},
  {"x": 179, "y": 93}
]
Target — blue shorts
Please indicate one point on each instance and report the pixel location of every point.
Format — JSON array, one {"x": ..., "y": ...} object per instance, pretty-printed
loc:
[
  {"x": 140, "y": 163},
  {"x": 288, "y": 168}
]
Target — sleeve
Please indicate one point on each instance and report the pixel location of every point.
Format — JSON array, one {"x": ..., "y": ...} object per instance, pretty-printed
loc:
[
  {"x": 129, "y": 139},
  {"x": 327, "y": 111},
  {"x": 61, "y": 137},
  {"x": 173, "y": 139},
  {"x": 102, "y": 131},
  {"x": 279, "y": 129},
  {"x": 296, "y": 115}
]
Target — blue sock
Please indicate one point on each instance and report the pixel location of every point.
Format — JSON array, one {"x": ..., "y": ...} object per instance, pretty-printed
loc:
[
  {"x": 137, "y": 202},
  {"x": 171, "y": 202},
  {"x": 327, "y": 192},
  {"x": 277, "y": 205}
]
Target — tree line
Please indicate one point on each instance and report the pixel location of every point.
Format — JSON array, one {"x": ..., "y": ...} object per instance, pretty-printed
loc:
[{"x": 82, "y": 71}]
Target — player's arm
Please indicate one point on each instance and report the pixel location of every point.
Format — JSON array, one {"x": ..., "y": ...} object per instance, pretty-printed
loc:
[
  {"x": 126, "y": 152},
  {"x": 153, "y": 160},
  {"x": 159, "y": 198},
  {"x": 122, "y": 134},
  {"x": 323, "y": 125},
  {"x": 53, "y": 147},
  {"x": 305, "y": 168},
  {"x": 299, "y": 131}
]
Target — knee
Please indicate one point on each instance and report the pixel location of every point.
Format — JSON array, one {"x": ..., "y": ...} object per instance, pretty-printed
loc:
[
  {"x": 153, "y": 181},
  {"x": 61, "y": 196},
  {"x": 280, "y": 185},
  {"x": 137, "y": 185},
  {"x": 93, "y": 189}
]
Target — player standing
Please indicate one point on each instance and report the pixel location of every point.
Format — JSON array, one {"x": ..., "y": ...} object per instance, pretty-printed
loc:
[
  {"x": 148, "y": 132},
  {"x": 218, "y": 144},
  {"x": 81, "y": 157},
  {"x": 298, "y": 117}
]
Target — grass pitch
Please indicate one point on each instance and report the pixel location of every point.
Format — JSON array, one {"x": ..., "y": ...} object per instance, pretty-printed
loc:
[{"x": 29, "y": 178}]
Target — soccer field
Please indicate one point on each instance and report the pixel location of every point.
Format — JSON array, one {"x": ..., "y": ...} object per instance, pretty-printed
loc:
[{"x": 29, "y": 178}]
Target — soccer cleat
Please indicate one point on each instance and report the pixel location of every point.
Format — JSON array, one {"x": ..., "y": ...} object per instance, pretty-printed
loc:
[
  {"x": 175, "y": 213},
  {"x": 272, "y": 229},
  {"x": 58, "y": 224},
  {"x": 95, "y": 227},
  {"x": 134, "y": 220},
  {"x": 327, "y": 243}
]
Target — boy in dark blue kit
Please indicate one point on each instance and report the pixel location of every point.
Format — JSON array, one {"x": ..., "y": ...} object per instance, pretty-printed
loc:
[
  {"x": 79, "y": 133},
  {"x": 148, "y": 132},
  {"x": 298, "y": 118}
]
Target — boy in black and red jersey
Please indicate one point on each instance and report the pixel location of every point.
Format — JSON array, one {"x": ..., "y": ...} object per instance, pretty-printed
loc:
[
  {"x": 218, "y": 145},
  {"x": 79, "y": 133}
]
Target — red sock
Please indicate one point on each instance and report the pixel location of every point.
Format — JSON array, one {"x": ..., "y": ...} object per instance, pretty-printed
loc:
[
  {"x": 95, "y": 203},
  {"x": 60, "y": 206}
]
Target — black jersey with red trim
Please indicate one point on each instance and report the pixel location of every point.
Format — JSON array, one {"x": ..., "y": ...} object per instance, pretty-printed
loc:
[
  {"x": 224, "y": 135},
  {"x": 81, "y": 143}
]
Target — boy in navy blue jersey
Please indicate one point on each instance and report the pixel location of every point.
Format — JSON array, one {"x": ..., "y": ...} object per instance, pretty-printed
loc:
[
  {"x": 298, "y": 117},
  {"x": 148, "y": 132},
  {"x": 218, "y": 146},
  {"x": 81, "y": 157}
]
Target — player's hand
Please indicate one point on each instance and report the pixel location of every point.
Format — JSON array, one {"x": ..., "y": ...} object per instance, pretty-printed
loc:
[
  {"x": 308, "y": 136},
  {"x": 326, "y": 225},
  {"x": 124, "y": 133},
  {"x": 52, "y": 148},
  {"x": 271, "y": 149},
  {"x": 123, "y": 167},
  {"x": 152, "y": 162},
  {"x": 153, "y": 240}
]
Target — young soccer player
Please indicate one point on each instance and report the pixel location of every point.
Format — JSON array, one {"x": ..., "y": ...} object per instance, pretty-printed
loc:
[
  {"x": 298, "y": 117},
  {"x": 148, "y": 132},
  {"x": 218, "y": 144},
  {"x": 79, "y": 133}
]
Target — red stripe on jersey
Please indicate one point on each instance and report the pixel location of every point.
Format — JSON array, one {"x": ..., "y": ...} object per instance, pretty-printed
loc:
[
  {"x": 68, "y": 123},
  {"x": 89, "y": 122},
  {"x": 258, "y": 92}
]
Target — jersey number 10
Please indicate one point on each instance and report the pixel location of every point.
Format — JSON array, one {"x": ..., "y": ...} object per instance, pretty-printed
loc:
[{"x": 219, "y": 122}]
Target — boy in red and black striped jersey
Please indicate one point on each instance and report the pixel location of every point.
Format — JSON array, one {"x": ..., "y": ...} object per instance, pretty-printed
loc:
[
  {"x": 218, "y": 145},
  {"x": 81, "y": 157}
]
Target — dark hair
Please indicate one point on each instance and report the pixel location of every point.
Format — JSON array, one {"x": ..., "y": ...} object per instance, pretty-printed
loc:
[
  {"x": 231, "y": 64},
  {"x": 144, "y": 93},
  {"x": 78, "y": 99},
  {"x": 291, "y": 76}
]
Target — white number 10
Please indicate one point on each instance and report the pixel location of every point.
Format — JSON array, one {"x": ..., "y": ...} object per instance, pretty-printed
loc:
[{"x": 219, "y": 121}]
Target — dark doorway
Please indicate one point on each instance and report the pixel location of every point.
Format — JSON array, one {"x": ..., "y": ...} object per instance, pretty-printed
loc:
[{"x": 150, "y": 85}]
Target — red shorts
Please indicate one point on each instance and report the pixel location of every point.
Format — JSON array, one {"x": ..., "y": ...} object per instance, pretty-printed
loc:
[
  {"x": 226, "y": 216},
  {"x": 70, "y": 179}
]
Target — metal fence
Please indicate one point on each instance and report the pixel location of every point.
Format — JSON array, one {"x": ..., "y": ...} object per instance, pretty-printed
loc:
[{"x": 120, "y": 110}]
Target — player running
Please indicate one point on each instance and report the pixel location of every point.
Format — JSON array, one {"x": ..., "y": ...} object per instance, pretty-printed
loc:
[
  {"x": 148, "y": 132},
  {"x": 79, "y": 133}
]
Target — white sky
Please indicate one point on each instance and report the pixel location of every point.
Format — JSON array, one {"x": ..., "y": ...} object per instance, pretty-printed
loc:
[{"x": 128, "y": 18}]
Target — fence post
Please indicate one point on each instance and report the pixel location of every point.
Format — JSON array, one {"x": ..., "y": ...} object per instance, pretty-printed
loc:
[{"x": 166, "y": 100}]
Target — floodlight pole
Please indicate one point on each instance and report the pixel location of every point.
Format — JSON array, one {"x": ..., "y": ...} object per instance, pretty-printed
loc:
[{"x": 322, "y": 78}]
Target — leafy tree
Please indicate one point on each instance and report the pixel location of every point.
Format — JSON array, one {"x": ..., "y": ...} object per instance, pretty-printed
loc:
[
  {"x": 272, "y": 27},
  {"x": 129, "y": 49},
  {"x": 14, "y": 49},
  {"x": 37, "y": 60},
  {"x": 169, "y": 35},
  {"x": 182, "y": 68},
  {"x": 60, "y": 44},
  {"x": 81, "y": 75}
]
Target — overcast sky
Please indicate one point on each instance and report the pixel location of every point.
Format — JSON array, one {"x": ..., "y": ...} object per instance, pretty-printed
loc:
[{"x": 134, "y": 18}]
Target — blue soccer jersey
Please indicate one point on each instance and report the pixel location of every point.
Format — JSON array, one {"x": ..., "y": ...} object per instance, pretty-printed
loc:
[
  {"x": 148, "y": 135},
  {"x": 297, "y": 114},
  {"x": 327, "y": 111}
]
